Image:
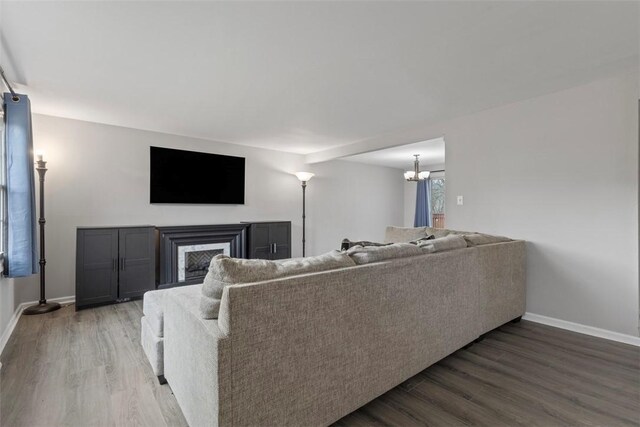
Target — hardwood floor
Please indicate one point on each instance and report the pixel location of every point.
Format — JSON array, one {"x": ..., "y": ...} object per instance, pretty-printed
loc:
[
  {"x": 87, "y": 368},
  {"x": 81, "y": 369}
]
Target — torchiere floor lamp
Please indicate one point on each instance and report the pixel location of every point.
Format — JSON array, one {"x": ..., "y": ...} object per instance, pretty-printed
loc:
[
  {"x": 304, "y": 177},
  {"x": 43, "y": 306}
]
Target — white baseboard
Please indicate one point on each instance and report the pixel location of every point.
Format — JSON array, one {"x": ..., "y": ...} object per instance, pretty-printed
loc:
[
  {"x": 16, "y": 316},
  {"x": 583, "y": 329}
]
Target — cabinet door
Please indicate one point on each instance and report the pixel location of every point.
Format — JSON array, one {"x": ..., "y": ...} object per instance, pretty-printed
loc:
[
  {"x": 137, "y": 262},
  {"x": 280, "y": 238},
  {"x": 96, "y": 266},
  {"x": 260, "y": 244}
]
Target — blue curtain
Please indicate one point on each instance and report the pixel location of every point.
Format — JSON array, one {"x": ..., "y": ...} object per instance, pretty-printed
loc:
[
  {"x": 423, "y": 204},
  {"x": 22, "y": 243}
]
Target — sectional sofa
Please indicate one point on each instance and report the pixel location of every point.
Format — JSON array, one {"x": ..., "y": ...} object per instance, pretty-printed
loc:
[{"x": 310, "y": 345}]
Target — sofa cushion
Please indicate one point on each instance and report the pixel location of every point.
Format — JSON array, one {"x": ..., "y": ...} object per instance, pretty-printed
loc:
[
  {"x": 224, "y": 271},
  {"x": 153, "y": 346},
  {"x": 346, "y": 244},
  {"x": 152, "y": 309},
  {"x": 439, "y": 232},
  {"x": 423, "y": 240},
  {"x": 152, "y": 305},
  {"x": 442, "y": 244},
  {"x": 369, "y": 254},
  {"x": 476, "y": 239},
  {"x": 404, "y": 234}
]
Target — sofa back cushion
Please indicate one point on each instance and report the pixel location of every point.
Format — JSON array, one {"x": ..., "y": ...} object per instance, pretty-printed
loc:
[
  {"x": 347, "y": 244},
  {"x": 369, "y": 254},
  {"x": 224, "y": 270},
  {"x": 441, "y": 244},
  {"x": 404, "y": 234},
  {"x": 439, "y": 232},
  {"x": 477, "y": 239}
]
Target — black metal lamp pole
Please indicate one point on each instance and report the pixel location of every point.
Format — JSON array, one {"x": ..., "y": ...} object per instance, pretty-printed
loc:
[
  {"x": 304, "y": 177},
  {"x": 43, "y": 306},
  {"x": 304, "y": 217}
]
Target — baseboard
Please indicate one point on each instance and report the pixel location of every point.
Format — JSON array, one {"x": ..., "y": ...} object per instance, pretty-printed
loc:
[
  {"x": 18, "y": 312},
  {"x": 583, "y": 329}
]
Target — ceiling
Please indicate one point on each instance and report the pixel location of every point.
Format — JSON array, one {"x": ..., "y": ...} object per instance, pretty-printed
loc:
[
  {"x": 303, "y": 76},
  {"x": 431, "y": 154}
]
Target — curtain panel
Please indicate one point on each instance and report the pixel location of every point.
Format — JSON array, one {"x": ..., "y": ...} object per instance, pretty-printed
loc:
[
  {"x": 22, "y": 244},
  {"x": 423, "y": 204}
]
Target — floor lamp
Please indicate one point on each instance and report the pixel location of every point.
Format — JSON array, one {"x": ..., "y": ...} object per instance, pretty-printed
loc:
[
  {"x": 43, "y": 306},
  {"x": 304, "y": 177}
]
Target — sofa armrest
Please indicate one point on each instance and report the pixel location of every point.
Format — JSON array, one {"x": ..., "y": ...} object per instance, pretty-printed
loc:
[
  {"x": 197, "y": 362},
  {"x": 502, "y": 283}
]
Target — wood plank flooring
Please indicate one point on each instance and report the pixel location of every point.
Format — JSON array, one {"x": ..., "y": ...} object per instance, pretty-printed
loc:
[
  {"x": 82, "y": 369},
  {"x": 88, "y": 369}
]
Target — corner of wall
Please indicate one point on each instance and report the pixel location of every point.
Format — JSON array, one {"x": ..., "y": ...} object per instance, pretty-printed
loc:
[{"x": 8, "y": 307}]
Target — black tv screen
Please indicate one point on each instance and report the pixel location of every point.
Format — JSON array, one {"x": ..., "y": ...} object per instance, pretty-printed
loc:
[{"x": 179, "y": 176}]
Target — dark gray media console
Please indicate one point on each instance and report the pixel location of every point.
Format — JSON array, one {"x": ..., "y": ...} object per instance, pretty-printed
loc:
[
  {"x": 115, "y": 264},
  {"x": 269, "y": 240}
]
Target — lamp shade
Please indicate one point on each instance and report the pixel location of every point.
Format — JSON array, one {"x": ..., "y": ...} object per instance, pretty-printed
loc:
[
  {"x": 416, "y": 174},
  {"x": 304, "y": 176}
]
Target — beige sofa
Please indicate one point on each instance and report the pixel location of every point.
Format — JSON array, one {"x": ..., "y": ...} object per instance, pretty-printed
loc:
[{"x": 309, "y": 349}]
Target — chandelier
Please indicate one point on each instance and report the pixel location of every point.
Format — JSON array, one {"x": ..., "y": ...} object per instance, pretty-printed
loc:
[{"x": 416, "y": 174}]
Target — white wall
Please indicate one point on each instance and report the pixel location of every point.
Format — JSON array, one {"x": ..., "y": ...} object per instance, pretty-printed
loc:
[
  {"x": 351, "y": 200},
  {"x": 409, "y": 193},
  {"x": 560, "y": 171},
  {"x": 7, "y": 302},
  {"x": 99, "y": 175}
]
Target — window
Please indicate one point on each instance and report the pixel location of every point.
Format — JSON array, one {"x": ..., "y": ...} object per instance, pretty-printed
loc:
[{"x": 437, "y": 202}]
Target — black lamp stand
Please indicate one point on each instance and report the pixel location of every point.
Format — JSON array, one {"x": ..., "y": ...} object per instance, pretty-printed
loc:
[
  {"x": 43, "y": 306},
  {"x": 304, "y": 216}
]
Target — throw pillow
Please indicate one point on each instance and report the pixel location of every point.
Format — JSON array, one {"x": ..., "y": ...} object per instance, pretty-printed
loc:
[
  {"x": 369, "y": 254},
  {"x": 224, "y": 271},
  {"x": 404, "y": 234},
  {"x": 442, "y": 244}
]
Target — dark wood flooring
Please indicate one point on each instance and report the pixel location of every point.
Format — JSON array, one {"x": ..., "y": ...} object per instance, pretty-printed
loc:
[{"x": 87, "y": 368}]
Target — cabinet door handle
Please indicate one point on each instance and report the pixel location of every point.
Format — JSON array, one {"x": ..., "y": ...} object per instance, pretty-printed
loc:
[
  {"x": 114, "y": 264},
  {"x": 122, "y": 263},
  {"x": 275, "y": 248}
]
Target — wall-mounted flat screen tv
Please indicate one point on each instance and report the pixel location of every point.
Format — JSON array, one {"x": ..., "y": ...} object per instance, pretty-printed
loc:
[{"x": 179, "y": 176}]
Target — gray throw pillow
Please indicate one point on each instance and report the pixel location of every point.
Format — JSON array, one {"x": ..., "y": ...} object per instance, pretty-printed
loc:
[
  {"x": 224, "y": 271},
  {"x": 369, "y": 254},
  {"x": 442, "y": 244},
  {"x": 404, "y": 234}
]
